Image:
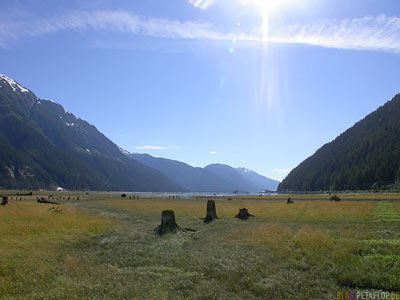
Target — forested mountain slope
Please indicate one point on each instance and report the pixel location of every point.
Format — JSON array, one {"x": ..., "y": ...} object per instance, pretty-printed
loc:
[
  {"x": 366, "y": 156},
  {"x": 44, "y": 146}
]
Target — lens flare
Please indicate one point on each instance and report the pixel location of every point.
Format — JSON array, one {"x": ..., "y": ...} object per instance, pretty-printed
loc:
[
  {"x": 202, "y": 4},
  {"x": 268, "y": 91}
]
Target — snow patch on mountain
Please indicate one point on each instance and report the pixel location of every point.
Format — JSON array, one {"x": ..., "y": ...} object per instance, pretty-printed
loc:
[
  {"x": 244, "y": 170},
  {"x": 123, "y": 151},
  {"x": 15, "y": 86}
]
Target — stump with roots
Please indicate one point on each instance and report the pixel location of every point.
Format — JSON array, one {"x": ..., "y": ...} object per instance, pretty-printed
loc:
[
  {"x": 289, "y": 201},
  {"x": 211, "y": 214},
  {"x": 4, "y": 200},
  {"x": 168, "y": 224},
  {"x": 243, "y": 214}
]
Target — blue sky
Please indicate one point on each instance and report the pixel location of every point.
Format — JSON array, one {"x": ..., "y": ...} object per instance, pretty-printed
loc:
[{"x": 241, "y": 82}]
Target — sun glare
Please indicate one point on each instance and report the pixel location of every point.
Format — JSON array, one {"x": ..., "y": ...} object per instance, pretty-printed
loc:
[
  {"x": 266, "y": 7},
  {"x": 268, "y": 4},
  {"x": 268, "y": 81}
]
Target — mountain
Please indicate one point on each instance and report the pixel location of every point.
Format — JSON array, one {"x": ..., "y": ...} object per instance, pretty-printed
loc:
[
  {"x": 193, "y": 179},
  {"x": 366, "y": 156},
  {"x": 44, "y": 146},
  {"x": 262, "y": 181},
  {"x": 237, "y": 180},
  {"x": 213, "y": 178}
]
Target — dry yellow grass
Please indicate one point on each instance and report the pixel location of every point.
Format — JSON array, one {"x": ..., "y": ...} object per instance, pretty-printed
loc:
[
  {"x": 298, "y": 251},
  {"x": 346, "y": 196},
  {"x": 274, "y": 210}
]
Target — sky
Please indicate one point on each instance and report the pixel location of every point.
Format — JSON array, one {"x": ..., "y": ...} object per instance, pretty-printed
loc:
[{"x": 259, "y": 84}]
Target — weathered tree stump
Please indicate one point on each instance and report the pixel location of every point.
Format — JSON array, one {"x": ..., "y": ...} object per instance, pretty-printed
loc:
[
  {"x": 211, "y": 214},
  {"x": 168, "y": 223},
  {"x": 44, "y": 201},
  {"x": 289, "y": 201},
  {"x": 243, "y": 214},
  {"x": 4, "y": 200}
]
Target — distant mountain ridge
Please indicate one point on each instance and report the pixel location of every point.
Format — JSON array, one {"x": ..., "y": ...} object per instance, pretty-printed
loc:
[
  {"x": 44, "y": 146},
  {"x": 268, "y": 183},
  {"x": 212, "y": 178},
  {"x": 366, "y": 156}
]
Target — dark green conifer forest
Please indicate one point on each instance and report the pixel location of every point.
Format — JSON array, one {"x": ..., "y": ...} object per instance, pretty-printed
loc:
[{"x": 365, "y": 157}]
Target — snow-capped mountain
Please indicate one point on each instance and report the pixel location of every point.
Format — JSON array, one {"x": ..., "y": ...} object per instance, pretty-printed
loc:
[
  {"x": 42, "y": 145},
  {"x": 269, "y": 184}
]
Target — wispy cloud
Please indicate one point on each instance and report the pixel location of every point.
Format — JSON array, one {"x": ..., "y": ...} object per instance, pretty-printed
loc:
[
  {"x": 213, "y": 152},
  {"x": 112, "y": 21},
  {"x": 149, "y": 147},
  {"x": 379, "y": 33}
]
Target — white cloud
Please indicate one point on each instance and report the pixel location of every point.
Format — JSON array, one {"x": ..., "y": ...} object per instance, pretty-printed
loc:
[
  {"x": 149, "y": 147},
  {"x": 213, "y": 152},
  {"x": 380, "y": 33}
]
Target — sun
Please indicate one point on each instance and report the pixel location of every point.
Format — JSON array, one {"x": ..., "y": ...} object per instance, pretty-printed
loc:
[
  {"x": 268, "y": 4},
  {"x": 266, "y": 8}
]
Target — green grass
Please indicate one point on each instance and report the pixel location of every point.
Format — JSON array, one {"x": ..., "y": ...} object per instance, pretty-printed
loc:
[
  {"x": 108, "y": 250},
  {"x": 33, "y": 242}
]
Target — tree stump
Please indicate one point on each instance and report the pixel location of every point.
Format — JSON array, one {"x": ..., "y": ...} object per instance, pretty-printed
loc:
[
  {"x": 4, "y": 200},
  {"x": 211, "y": 214},
  {"x": 168, "y": 223},
  {"x": 243, "y": 214},
  {"x": 289, "y": 201}
]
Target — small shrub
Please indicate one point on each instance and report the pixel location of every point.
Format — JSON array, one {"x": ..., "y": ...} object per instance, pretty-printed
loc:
[{"x": 335, "y": 198}]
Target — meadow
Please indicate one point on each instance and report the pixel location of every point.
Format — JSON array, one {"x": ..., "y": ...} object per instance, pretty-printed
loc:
[{"x": 104, "y": 247}]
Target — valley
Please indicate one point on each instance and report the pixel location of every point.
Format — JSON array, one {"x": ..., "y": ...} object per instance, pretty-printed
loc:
[{"x": 104, "y": 246}]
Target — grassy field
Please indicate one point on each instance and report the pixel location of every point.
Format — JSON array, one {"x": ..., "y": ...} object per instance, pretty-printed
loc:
[{"x": 107, "y": 249}]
